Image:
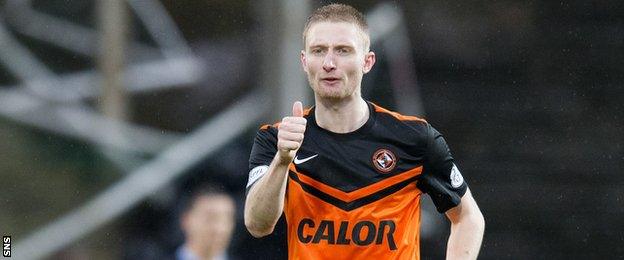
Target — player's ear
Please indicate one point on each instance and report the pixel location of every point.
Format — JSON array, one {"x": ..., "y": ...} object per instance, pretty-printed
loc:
[
  {"x": 304, "y": 64},
  {"x": 369, "y": 61}
]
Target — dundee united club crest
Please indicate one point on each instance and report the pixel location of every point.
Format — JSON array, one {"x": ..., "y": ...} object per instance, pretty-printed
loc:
[{"x": 384, "y": 160}]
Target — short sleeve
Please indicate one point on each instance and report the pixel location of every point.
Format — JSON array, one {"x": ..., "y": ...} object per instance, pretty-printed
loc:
[
  {"x": 262, "y": 153},
  {"x": 441, "y": 178}
]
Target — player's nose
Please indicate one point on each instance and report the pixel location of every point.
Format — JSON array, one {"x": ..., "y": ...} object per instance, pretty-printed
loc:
[{"x": 329, "y": 63}]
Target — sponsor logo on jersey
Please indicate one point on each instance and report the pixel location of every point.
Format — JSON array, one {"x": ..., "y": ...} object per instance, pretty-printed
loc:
[
  {"x": 361, "y": 233},
  {"x": 384, "y": 160},
  {"x": 300, "y": 161},
  {"x": 256, "y": 173},
  {"x": 456, "y": 178}
]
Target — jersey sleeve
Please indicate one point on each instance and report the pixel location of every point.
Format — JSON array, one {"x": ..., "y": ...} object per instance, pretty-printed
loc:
[
  {"x": 441, "y": 178},
  {"x": 262, "y": 153}
]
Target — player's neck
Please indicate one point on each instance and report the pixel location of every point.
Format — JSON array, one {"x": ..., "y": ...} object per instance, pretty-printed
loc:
[{"x": 341, "y": 116}]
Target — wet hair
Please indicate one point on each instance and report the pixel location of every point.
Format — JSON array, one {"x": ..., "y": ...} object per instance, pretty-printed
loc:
[{"x": 338, "y": 13}]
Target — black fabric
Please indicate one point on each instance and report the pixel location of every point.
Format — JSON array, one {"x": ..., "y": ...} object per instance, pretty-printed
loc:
[
  {"x": 348, "y": 206},
  {"x": 345, "y": 161},
  {"x": 264, "y": 147},
  {"x": 263, "y": 150},
  {"x": 436, "y": 177}
]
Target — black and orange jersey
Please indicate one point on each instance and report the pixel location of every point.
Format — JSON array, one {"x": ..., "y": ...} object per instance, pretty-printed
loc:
[{"x": 357, "y": 195}]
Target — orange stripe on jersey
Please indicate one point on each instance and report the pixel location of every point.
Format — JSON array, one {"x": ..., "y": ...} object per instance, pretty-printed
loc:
[
  {"x": 359, "y": 193},
  {"x": 307, "y": 111},
  {"x": 265, "y": 127},
  {"x": 397, "y": 115}
]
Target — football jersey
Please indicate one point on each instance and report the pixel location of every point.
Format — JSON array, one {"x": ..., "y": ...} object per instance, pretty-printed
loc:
[{"x": 357, "y": 195}]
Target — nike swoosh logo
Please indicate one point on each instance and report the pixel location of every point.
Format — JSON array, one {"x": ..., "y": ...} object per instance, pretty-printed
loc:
[{"x": 297, "y": 161}]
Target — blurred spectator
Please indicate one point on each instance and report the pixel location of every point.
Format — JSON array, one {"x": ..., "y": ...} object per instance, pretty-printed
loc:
[{"x": 207, "y": 221}]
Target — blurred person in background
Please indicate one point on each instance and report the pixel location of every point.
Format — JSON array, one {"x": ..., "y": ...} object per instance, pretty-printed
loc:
[
  {"x": 207, "y": 221},
  {"x": 351, "y": 189}
]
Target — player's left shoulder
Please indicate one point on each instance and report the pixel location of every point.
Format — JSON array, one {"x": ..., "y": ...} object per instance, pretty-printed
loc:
[
  {"x": 396, "y": 115},
  {"x": 399, "y": 122}
]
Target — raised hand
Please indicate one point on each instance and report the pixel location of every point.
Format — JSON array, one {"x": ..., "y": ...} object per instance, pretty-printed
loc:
[{"x": 290, "y": 133}]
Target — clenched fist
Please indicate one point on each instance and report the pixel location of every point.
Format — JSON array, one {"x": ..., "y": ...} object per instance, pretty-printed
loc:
[{"x": 290, "y": 134}]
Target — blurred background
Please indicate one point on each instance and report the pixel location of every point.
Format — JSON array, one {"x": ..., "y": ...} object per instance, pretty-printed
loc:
[{"x": 113, "y": 112}]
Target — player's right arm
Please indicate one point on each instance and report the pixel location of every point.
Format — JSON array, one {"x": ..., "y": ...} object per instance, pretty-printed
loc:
[{"x": 265, "y": 199}]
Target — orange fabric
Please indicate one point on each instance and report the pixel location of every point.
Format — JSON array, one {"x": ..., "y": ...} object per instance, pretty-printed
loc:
[
  {"x": 359, "y": 193},
  {"x": 397, "y": 115},
  {"x": 265, "y": 127},
  {"x": 307, "y": 111},
  {"x": 402, "y": 207}
]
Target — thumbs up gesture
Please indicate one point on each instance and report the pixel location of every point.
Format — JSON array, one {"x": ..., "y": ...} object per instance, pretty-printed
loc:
[{"x": 290, "y": 134}]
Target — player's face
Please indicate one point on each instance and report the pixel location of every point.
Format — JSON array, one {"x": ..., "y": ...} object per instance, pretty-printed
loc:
[
  {"x": 210, "y": 223},
  {"x": 335, "y": 59}
]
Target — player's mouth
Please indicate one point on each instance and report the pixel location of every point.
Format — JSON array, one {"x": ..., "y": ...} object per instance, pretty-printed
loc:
[{"x": 330, "y": 80}]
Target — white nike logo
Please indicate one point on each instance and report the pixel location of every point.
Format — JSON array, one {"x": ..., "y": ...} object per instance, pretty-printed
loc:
[{"x": 297, "y": 161}]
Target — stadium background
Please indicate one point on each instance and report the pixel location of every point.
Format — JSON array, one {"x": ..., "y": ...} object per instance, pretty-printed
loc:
[{"x": 527, "y": 93}]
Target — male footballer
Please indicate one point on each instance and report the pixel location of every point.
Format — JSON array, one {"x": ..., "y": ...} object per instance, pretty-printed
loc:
[{"x": 347, "y": 174}]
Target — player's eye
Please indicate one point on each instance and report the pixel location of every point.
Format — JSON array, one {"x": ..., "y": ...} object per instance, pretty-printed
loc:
[
  {"x": 343, "y": 51},
  {"x": 317, "y": 51}
]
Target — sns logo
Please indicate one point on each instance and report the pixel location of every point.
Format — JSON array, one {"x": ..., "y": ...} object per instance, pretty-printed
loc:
[
  {"x": 363, "y": 233},
  {"x": 6, "y": 246}
]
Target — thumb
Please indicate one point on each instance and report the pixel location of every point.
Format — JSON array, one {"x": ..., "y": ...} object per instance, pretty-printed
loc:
[{"x": 298, "y": 109}]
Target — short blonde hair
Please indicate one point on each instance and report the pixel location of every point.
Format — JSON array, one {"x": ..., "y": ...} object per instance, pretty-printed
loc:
[{"x": 338, "y": 13}]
